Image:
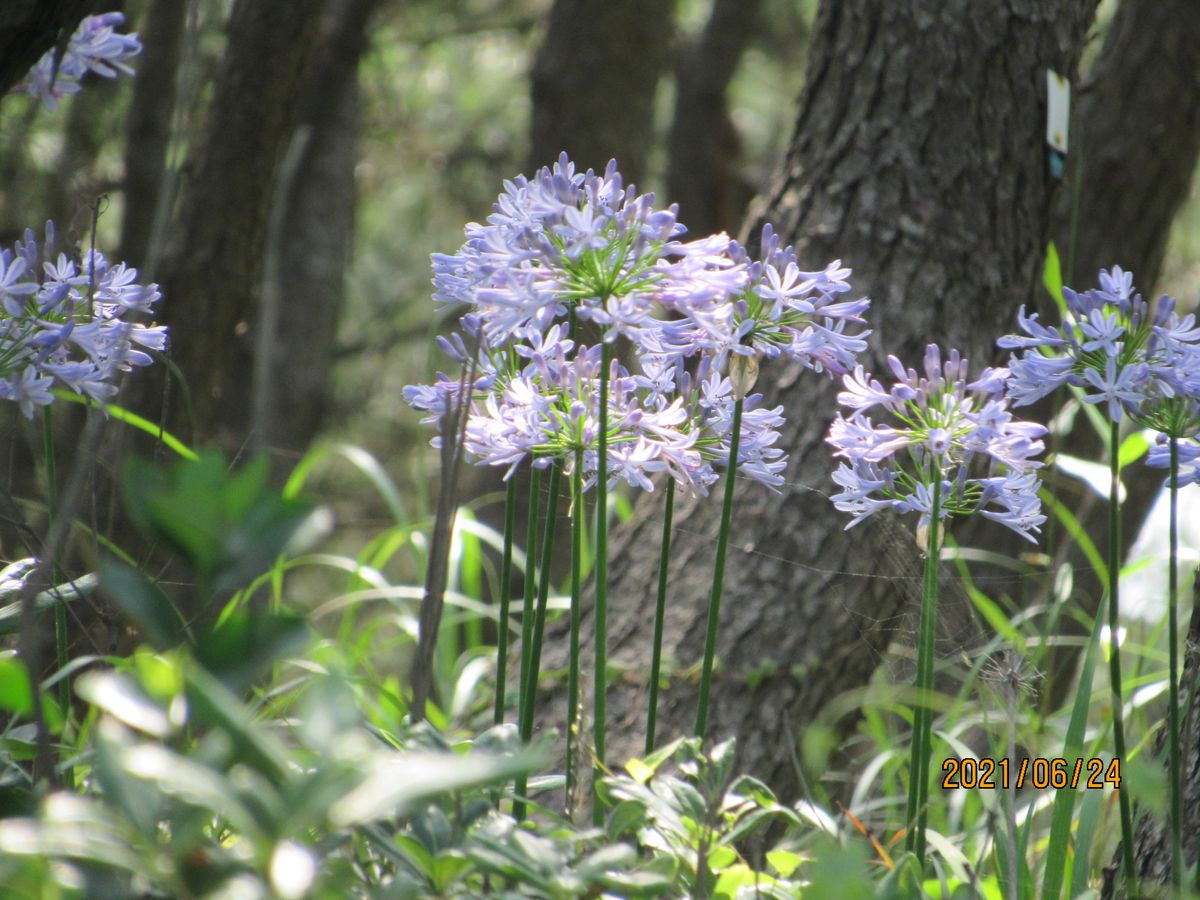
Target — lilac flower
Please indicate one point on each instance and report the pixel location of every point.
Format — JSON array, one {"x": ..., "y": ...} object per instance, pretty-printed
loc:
[
  {"x": 69, "y": 326},
  {"x": 1112, "y": 345},
  {"x": 936, "y": 428},
  {"x": 94, "y": 47},
  {"x": 586, "y": 245}
]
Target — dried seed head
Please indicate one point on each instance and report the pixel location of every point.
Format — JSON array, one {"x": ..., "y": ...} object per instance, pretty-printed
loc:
[{"x": 1010, "y": 674}]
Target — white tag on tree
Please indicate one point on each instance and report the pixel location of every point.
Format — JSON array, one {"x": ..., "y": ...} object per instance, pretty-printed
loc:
[{"x": 1058, "y": 110}]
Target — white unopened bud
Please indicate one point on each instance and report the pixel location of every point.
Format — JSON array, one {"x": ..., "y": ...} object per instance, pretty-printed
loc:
[{"x": 743, "y": 373}]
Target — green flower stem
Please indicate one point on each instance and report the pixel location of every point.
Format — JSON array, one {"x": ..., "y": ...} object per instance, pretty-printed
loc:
[
  {"x": 510, "y": 516},
  {"x": 535, "y": 489},
  {"x": 660, "y": 610},
  {"x": 1173, "y": 679},
  {"x": 577, "y": 521},
  {"x": 714, "y": 602},
  {"x": 600, "y": 687},
  {"x": 922, "y": 751},
  {"x": 1114, "y": 656},
  {"x": 61, "y": 639},
  {"x": 539, "y": 622}
]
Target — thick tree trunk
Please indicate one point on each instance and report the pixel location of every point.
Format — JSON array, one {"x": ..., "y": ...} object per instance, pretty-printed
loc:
[
  {"x": 703, "y": 146},
  {"x": 918, "y": 158},
  {"x": 213, "y": 265},
  {"x": 594, "y": 81},
  {"x": 312, "y": 250}
]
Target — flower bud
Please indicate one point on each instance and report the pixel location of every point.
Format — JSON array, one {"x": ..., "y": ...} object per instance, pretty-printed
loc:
[{"x": 743, "y": 373}]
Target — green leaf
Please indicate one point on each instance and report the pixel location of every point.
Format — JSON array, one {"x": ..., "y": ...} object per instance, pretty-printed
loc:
[
  {"x": 1134, "y": 446},
  {"x": 1064, "y": 800},
  {"x": 143, "y": 603},
  {"x": 785, "y": 862},
  {"x": 16, "y": 695},
  {"x": 123, "y": 698},
  {"x": 396, "y": 783},
  {"x": 1052, "y": 277},
  {"x": 247, "y": 643},
  {"x": 227, "y": 527}
]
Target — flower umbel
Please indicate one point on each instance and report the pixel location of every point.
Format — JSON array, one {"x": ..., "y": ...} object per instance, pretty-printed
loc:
[
  {"x": 69, "y": 321},
  {"x": 936, "y": 426}
]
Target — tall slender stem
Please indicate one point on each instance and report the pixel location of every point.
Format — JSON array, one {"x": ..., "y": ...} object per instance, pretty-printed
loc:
[
  {"x": 510, "y": 517},
  {"x": 539, "y": 621},
  {"x": 535, "y": 489},
  {"x": 1173, "y": 679},
  {"x": 600, "y": 687},
  {"x": 714, "y": 602},
  {"x": 577, "y": 520},
  {"x": 1114, "y": 656},
  {"x": 923, "y": 748},
  {"x": 61, "y": 638},
  {"x": 660, "y": 610}
]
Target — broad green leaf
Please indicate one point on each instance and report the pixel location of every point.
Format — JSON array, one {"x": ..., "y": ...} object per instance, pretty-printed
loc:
[
  {"x": 16, "y": 695},
  {"x": 395, "y": 783},
  {"x": 143, "y": 603},
  {"x": 248, "y": 642},
  {"x": 123, "y": 698}
]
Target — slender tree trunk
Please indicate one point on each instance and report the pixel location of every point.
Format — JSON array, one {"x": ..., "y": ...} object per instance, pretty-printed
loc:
[
  {"x": 703, "y": 146},
  {"x": 313, "y": 249},
  {"x": 148, "y": 126},
  {"x": 213, "y": 265},
  {"x": 594, "y": 81},
  {"x": 918, "y": 158}
]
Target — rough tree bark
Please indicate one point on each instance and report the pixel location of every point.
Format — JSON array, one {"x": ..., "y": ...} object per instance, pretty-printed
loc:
[
  {"x": 213, "y": 264},
  {"x": 917, "y": 158},
  {"x": 594, "y": 79},
  {"x": 292, "y": 387},
  {"x": 28, "y": 28},
  {"x": 702, "y": 147}
]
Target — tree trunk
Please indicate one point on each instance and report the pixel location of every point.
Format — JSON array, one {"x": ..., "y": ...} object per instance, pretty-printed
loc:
[
  {"x": 918, "y": 158},
  {"x": 148, "y": 127},
  {"x": 296, "y": 345},
  {"x": 594, "y": 80},
  {"x": 213, "y": 265},
  {"x": 703, "y": 146}
]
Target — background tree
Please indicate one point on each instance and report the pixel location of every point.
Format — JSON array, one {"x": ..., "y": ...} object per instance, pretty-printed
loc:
[{"x": 594, "y": 79}]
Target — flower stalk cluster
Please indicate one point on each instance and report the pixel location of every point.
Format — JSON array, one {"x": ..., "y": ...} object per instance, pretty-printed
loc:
[
  {"x": 1141, "y": 361},
  {"x": 942, "y": 446},
  {"x": 601, "y": 342}
]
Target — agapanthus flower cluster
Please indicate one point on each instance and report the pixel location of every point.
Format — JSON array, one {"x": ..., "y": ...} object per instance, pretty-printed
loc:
[
  {"x": 95, "y": 46},
  {"x": 1139, "y": 359},
  {"x": 568, "y": 247},
  {"x": 69, "y": 321},
  {"x": 936, "y": 429}
]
